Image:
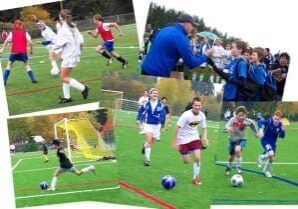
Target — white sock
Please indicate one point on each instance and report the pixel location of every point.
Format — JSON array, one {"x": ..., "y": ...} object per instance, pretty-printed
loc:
[
  {"x": 88, "y": 168},
  {"x": 76, "y": 84},
  {"x": 196, "y": 169},
  {"x": 54, "y": 182},
  {"x": 264, "y": 156},
  {"x": 147, "y": 153},
  {"x": 54, "y": 64},
  {"x": 267, "y": 166},
  {"x": 66, "y": 90},
  {"x": 238, "y": 162}
]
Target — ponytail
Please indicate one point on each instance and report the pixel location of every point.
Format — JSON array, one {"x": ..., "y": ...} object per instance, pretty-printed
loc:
[{"x": 65, "y": 14}]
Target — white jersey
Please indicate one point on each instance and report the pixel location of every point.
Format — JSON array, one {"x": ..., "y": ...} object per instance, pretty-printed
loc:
[
  {"x": 239, "y": 128},
  {"x": 69, "y": 40},
  {"x": 188, "y": 123},
  {"x": 48, "y": 34},
  {"x": 143, "y": 100},
  {"x": 218, "y": 56}
]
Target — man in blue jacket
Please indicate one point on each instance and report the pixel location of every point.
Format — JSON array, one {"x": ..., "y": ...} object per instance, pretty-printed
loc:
[{"x": 170, "y": 44}]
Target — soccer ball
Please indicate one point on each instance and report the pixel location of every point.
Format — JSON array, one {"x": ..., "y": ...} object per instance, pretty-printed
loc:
[
  {"x": 237, "y": 180},
  {"x": 44, "y": 185},
  {"x": 55, "y": 71},
  {"x": 168, "y": 182}
]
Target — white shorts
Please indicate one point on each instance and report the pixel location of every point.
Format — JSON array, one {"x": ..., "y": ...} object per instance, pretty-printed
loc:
[
  {"x": 70, "y": 62},
  {"x": 152, "y": 129}
]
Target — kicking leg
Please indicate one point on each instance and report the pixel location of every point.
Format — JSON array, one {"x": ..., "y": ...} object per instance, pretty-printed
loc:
[
  {"x": 54, "y": 180},
  {"x": 238, "y": 159},
  {"x": 268, "y": 164}
]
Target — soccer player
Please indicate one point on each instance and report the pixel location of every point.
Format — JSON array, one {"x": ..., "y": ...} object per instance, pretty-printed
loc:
[
  {"x": 19, "y": 39},
  {"x": 67, "y": 166},
  {"x": 187, "y": 139},
  {"x": 273, "y": 130},
  {"x": 104, "y": 30},
  {"x": 45, "y": 152},
  {"x": 164, "y": 124},
  {"x": 70, "y": 40},
  {"x": 153, "y": 114},
  {"x": 236, "y": 127},
  {"x": 142, "y": 100},
  {"x": 49, "y": 37}
]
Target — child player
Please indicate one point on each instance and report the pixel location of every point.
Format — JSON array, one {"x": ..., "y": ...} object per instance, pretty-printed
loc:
[
  {"x": 187, "y": 139},
  {"x": 236, "y": 127},
  {"x": 19, "y": 39},
  {"x": 104, "y": 30},
  {"x": 273, "y": 130}
]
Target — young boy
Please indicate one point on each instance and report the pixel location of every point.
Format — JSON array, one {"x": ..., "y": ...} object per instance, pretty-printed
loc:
[
  {"x": 153, "y": 114},
  {"x": 107, "y": 48},
  {"x": 67, "y": 166},
  {"x": 19, "y": 39},
  {"x": 236, "y": 127},
  {"x": 273, "y": 130},
  {"x": 187, "y": 139}
]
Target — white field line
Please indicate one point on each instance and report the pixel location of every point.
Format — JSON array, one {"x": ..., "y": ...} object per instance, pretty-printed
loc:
[
  {"x": 30, "y": 158},
  {"x": 275, "y": 163},
  {"x": 50, "y": 168},
  {"x": 20, "y": 160},
  {"x": 65, "y": 193}
]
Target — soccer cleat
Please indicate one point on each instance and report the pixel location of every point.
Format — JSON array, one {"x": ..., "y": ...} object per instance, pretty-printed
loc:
[
  {"x": 228, "y": 171},
  {"x": 197, "y": 181},
  {"x": 267, "y": 174},
  {"x": 85, "y": 93},
  {"x": 110, "y": 61},
  {"x": 64, "y": 100},
  {"x": 51, "y": 189},
  {"x": 260, "y": 162},
  {"x": 34, "y": 81},
  {"x": 239, "y": 170},
  {"x": 147, "y": 163},
  {"x": 124, "y": 65}
]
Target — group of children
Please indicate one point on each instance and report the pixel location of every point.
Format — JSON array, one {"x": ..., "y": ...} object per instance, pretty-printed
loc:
[{"x": 66, "y": 45}]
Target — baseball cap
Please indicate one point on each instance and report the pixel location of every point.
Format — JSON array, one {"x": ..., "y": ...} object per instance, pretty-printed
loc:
[{"x": 187, "y": 18}]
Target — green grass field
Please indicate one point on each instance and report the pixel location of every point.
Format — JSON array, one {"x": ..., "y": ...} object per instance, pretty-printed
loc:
[
  {"x": 216, "y": 188},
  {"x": 24, "y": 97}
]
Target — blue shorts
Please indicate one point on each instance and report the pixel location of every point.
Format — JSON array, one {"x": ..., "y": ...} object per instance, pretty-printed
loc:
[
  {"x": 268, "y": 146},
  {"x": 232, "y": 145},
  {"x": 19, "y": 57},
  {"x": 108, "y": 45}
]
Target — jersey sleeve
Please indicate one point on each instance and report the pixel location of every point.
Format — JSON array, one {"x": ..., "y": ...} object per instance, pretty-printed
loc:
[
  {"x": 203, "y": 122},
  {"x": 106, "y": 26},
  {"x": 28, "y": 37},
  {"x": 262, "y": 123},
  {"x": 229, "y": 123},
  {"x": 242, "y": 69},
  {"x": 182, "y": 120},
  {"x": 141, "y": 111}
]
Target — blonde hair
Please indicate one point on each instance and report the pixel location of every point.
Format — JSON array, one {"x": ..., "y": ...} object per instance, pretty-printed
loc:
[
  {"x": 65, "y": 14},
  {"x": 98, "y": 17}
]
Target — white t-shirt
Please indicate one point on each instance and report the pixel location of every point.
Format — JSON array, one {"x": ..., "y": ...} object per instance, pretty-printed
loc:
[{"x": 188, "y": 123}]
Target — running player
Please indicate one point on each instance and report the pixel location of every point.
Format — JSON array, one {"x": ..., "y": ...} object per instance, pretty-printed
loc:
[
  {"x": 49, "y": 40},
  {"x": 67, "y": 166},
  {"x": 153, "y": 114},
  {"x": 273, "y": 130},
  {"x": 70, "y": 40},
  {"x": 187, "y": 139},
  {"x": 104, "y": 30},
  {"x": 19, "y": 39},
  {"x": 236, "y": 127}
]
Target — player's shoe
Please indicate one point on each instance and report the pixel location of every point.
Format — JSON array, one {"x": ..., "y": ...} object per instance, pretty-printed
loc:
[
  {"x": 239, "y": 170},
  {"x": 85, "y": 93},
  {"x": 34, "y": 81},
  {"x": 260, "y": 161},
  {"x": 51, "y": 189},
  {"x": 197, "y": 181},
  {"x": 124, "y": 65},
  {"x": 267, "y": 174},
  {"x": 65, "y": 100},
  {"x": 147, "y": 163},
  {"x": 110, "y": 61},
  {"x": 228, "y": 171}
]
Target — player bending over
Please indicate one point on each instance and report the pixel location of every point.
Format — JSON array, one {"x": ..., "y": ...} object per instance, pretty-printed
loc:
[
  {"x": 106, "y": 49},
  {"x": 19, "y": 39},
  {"x": 187, "y": 139},
  {"x": 153, "y": 114},
  {"x": 70, "y": 40},
  {"x": 67, "y": 166},
  {"x": 236, "y": 127},
  {"x": 269, "y": 135}
]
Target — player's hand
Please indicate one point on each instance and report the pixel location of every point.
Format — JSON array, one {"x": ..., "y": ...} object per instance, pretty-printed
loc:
[
  {"x": 205, "y": 143},
  {"x": 120, "y": 34},
  {"x": 90, "y": 32}
]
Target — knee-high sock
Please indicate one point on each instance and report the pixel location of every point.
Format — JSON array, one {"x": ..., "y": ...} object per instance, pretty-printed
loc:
[
  {"x": 54, "y": 182},
  {"x": 31, "y": 75},
  {"x": 6, "y": 74},
  {"x": 238, "y": 162},
  {"x": 267, "y": 166},
  {"x": 196, "y": 169},
  {"x": 76, "y": 84},
  {"x": 66, "y": 90},
  {"x": 147, "y": 153}
]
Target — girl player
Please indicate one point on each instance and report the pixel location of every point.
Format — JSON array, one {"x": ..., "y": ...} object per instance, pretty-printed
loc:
[
  {"x": 236, "y": 127},
  {"x": 19, "y": 39},
  {"x": 70, "y": 40},
  {"x": 153, "y": 114},
  {"x": 107, "y": 48},
  {"x": 273, "y": 129}
]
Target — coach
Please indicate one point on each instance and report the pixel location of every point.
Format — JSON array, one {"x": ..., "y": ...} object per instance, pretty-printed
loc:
[{"x": 170, "y": 44}]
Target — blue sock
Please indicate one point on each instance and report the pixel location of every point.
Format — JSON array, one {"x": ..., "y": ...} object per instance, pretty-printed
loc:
[
  {"x": 6, "y": 74},
  {"x": 31, "y": 75}
]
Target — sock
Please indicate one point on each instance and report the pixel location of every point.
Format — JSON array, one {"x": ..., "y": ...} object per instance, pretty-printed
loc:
[
  {"x": 267, "y": 166},
  {"x": 230, "y": 164},
  {"x": 106, "y": 55},
  {"x": 147, "y": 153},
  {"x": 54, "y": 182},
  {"x": 76, "y": 84},
  {"x": 66, "y": 90},
  {"x": 54, "y": 64},
  {"x": 120, "y": 59},
  {"x": 6, "y": 74},
  {"x": 238, "y": 162},
  {"x": 196, "y": 169},
  {"x": 87, "y": 169},
  {"x": 31, "y": 75},
  {"x": 264, "y": 156}
]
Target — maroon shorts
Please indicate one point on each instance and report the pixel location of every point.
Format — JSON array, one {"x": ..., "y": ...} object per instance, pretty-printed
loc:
[{"x": 185, "y": 149}]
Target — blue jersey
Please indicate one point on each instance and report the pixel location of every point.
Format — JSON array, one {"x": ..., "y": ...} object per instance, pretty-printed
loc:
[
  {"x": 257, "y": 74},
  {"x": 237, "y": 69},
  {"x": 149, "y": 116},
  {"x": 203, "y": 47},
  {"x": 170, "y": 44}
]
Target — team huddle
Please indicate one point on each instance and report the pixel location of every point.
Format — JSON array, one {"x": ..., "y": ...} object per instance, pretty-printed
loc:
[{"x": 65, "y": 45}]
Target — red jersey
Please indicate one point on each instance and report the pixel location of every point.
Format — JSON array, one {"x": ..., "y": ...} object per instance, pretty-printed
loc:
[
  {"x": 19, "y": 42},
  {"x": 105, "y": 32}
]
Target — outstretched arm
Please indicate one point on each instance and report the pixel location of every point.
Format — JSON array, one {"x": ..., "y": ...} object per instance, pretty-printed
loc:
[
  {"x": 115, "y": 25},
  {"x": 93, "y": 33}
]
